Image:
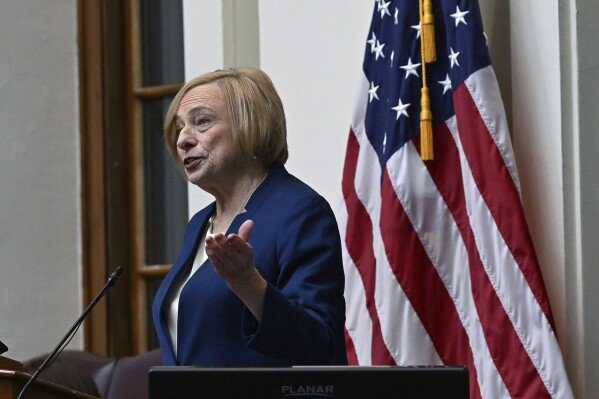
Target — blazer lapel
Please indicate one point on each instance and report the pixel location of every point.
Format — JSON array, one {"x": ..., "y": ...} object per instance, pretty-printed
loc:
[
  {"x": 190, "y": 245},
  {"x": 275, "y": 174}
]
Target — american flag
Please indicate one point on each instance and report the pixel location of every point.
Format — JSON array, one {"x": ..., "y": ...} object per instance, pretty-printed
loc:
[{"x": 440, "y": 266}]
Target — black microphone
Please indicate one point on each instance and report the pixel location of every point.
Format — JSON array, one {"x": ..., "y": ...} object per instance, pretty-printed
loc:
[
  {"x": 71, "y": 333},
  {"x": 3, "y": 348}
]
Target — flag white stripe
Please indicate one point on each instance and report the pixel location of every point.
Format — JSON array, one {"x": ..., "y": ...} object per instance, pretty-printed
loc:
[
  {"x": 443, "y": 243},
  {"x": 357, "y": 322},
  {"x": 403, "y": 333},
  {"x": 360, "y": 107},
  {"x": 485, "y": 93},
  {"x": 528, "y": 319}
]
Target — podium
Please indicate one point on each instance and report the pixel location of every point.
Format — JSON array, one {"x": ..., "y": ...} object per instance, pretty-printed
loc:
[
  {"x": 12, "y": 380},
  {"x": 304, "y": 382}
]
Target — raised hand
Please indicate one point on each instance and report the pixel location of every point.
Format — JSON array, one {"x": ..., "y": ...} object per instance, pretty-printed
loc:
[{"x": 233, "y": 260}]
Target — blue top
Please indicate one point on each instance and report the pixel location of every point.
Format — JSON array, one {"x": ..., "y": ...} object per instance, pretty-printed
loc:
[{"x": 297, "y": 250}]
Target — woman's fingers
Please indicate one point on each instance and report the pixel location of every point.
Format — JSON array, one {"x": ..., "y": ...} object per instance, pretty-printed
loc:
[
  {"x": 246, "y": 229},
  {"x": 231, "y": 247},
  {"x": 215, "y": 251},
  {"x": 239, "y": 245},
  {"x": 232, "y": 256},
  {"x": 239, "y": 241},
  {"x": 229, "y": 259}
]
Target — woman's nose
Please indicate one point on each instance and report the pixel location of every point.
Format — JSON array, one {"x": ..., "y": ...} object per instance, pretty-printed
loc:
[{"x": 186, "y": 139}]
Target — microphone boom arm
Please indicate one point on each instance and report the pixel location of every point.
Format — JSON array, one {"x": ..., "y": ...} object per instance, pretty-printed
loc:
[{"x": 52, "y": 356}]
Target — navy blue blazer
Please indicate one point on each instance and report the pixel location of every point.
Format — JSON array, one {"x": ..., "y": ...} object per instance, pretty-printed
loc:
[{"x": 297, "y": 250}]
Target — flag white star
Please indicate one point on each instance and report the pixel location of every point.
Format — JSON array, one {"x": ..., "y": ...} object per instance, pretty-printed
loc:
[
  {"x": 378, "y": 50},
  {"x": 383, "y": 8},
  {"x": 410, "y": 68},
  {"x": 459, "y": 16},
  {"x": 392, "y": 55},
  {"x": 372, "y": 42},
  {"x": 372, "y": 92},
  {"x": 446, "y": 84},
  {"x": 401, "y": 109},
  {"x": 395, "y": 16},
  {"x": 453, "y": 57},
  {"x": 418, "y": 30}
]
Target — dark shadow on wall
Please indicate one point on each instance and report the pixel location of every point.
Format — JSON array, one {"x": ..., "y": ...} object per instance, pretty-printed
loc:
[{"x": 496, "y": 20}]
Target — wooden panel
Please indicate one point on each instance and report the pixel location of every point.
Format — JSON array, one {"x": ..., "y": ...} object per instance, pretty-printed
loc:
[
  {"x": 116, "y": 186},
  {"x": 148, "y": 93},
  {"x": 136, "y": 175},
  {"x": 11, "y": 383},
  {"x": 154, "y": 270},
  {"x": 112, "y": 165},
  {"x": 103, "y": 171},
  {"x": 92, "y": 170},
  {"x": 10, "y": 364}
]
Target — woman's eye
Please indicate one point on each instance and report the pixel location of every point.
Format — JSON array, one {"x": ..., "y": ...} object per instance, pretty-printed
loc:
[{"x": 202, "y": 121}]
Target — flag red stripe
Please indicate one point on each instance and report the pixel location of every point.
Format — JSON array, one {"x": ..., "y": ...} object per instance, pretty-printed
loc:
[
  {"x": 352, "y": 358},
  {"x": 358, "y": 238},
  {"x": 505, "y": 347},
  {"x": 497, "y": 188},
  {"x": 414, "y": 270}
]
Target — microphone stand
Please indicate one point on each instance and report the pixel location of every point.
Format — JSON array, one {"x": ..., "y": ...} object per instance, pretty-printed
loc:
[{"x": 52, "y": 356}]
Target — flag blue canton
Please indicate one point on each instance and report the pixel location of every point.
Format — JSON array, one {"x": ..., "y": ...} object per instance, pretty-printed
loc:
[{"x": 392, "y": 65}]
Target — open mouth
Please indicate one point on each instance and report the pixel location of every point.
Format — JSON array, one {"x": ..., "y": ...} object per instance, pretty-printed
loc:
[{"x": 192, "y": 162}]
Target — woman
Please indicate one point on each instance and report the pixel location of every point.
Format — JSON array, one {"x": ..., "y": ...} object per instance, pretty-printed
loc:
[{"x": 259, "y": 281}]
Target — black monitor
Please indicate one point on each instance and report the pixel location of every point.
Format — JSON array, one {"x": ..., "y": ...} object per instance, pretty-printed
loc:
[{"x": 347, "y": 382}]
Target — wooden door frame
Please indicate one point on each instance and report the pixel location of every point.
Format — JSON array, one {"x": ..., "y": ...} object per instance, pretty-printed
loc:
[
  {"x": 104, "y": 210},
  {"x": 112, "y": 173}
]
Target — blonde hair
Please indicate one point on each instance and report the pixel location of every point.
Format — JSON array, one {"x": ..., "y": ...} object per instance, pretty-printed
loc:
[{"x": 255, "y": 108}]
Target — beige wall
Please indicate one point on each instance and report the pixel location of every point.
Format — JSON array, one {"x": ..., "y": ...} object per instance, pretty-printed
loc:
[
  {"x": 537, "y": 138},
  {"x": 579, "y": 55},
  {"x": 40, "y": 294}
]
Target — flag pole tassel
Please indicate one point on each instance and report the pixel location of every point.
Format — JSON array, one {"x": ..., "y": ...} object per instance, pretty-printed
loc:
[{"x": 426, "y": 126}]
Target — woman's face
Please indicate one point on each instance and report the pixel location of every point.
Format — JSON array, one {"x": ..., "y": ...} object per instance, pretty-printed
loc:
[{"x": 205, "y": 141}]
